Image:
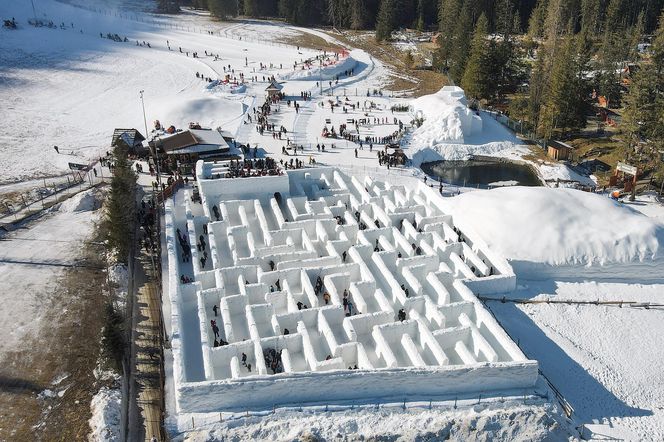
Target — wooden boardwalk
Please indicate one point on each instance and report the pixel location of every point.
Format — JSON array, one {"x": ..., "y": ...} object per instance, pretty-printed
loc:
[{"x": 148, "y": 340}]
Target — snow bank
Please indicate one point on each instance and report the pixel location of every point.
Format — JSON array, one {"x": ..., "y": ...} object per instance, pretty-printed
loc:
[
  {"x": 105, "y": 420},
  {"x": 493, "y": 422},
  {"x": 315, "y": 73},
  {"x": 82, "y": 202},
  {"x": 447, "y": 118},
  {"x": 560, "y": 227}
]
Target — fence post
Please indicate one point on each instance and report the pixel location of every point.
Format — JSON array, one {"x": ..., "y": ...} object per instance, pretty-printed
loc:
[
  {"x": 455, "y": 403},
  {"x": 221, "y": 418},
  {"x": 193, "y": 425}
]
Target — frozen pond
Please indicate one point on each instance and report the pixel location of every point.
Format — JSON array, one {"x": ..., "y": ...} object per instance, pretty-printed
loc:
[{"x": 482, "y": 172}]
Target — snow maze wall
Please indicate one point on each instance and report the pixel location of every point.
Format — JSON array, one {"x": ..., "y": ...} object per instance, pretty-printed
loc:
[{"x": 266, "y": 255}]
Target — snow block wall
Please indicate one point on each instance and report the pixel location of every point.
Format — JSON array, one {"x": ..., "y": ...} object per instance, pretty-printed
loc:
[{"x": 326, "y": 288}]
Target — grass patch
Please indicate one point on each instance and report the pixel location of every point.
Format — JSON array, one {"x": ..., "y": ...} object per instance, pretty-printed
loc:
[{"x": 309, "y": 41}]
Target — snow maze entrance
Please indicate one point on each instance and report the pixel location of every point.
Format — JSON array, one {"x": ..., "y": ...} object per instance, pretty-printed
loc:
[{"x": 329, "y": 289}]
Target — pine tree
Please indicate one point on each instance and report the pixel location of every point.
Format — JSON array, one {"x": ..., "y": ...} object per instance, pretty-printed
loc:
[
  {"x": 358, "y": 12},
  {"x": 476, "y": 78},
  {"x": 447, "y": 16},
  {"x": 536, "y": 21},
  {"x": 590, "y": 15},
  {"x": 565, "y": 102},
  {"x": 419, "y": 25},
  {"x": 119, "y": 217},
  {"x": 386, "y": 21},
  {"x": 614, "y": 16},
  {"x": 224, "y": 9},
  {"x": 462, "y": 37},
  {"x": 643, "y": 117}
]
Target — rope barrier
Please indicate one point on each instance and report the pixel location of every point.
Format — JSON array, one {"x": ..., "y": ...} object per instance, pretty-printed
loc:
[{"x": 621, "y": 304}]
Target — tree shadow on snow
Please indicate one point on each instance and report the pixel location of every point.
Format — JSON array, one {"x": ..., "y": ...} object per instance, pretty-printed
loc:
[{"x": 589, "y": 398}]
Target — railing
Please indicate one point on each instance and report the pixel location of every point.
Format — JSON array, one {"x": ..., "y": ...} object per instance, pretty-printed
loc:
[{"x": 50, "y": 191}]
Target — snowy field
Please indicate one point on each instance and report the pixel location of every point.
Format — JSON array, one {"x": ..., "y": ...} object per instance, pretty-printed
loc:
[
  {"x": 31, "y": 262},
  {"x": 70, "y": 88}
]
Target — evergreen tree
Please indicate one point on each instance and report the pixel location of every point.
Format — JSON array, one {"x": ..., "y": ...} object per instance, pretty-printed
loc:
[
  {"x": 223, "y": 9},
  {"x": 119, "y": 217},
  {"x": 475, "y": 80},
  {"x": 536, "y": 21},
  {"x": 565, "y": 103},
  {"x": 590, "y": 15},
  {"x": 447, "y": 17},
  {"x": 358, "y": 14},
  {"x": 419, "y": 25},
  {"x": 461, "y": 43},
  {"x": 168, "y": 6},
  {"x": 614, "y": 16},
  {"x": 386, "y": 21},
  {"x": 643, "y": 117}
]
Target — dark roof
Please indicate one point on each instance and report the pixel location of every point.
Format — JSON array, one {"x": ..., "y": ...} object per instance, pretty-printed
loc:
[
  {"x": 274, "y": 86},
  {"x": 194, "y": 140},
  {"x": 131, "y": 137}
]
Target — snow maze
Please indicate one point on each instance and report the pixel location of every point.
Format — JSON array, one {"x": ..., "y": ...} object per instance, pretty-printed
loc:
[{"x": 316, "y": 307}]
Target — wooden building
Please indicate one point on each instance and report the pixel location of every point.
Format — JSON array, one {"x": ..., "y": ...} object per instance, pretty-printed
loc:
[{"x": 560, "y": 151}]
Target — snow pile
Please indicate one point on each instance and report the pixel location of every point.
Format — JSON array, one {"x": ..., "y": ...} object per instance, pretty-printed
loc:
[
  {"x": 559, "y": 226},
  {"x": 87, "y": 201},
  {"x": 519, "y": 422},
  {"x": 447, "y": 118},
  {"x": 327, "y": 72},
  {"x": 105, "y": 420},
  {"x": 561, "y": 172}
]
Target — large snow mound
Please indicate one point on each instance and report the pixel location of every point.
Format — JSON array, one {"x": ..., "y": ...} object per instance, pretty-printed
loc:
[
  {"x": 87, "y": 201},
  {"x": 447, "y": 118},
  {"x": 559, "y": 226}
]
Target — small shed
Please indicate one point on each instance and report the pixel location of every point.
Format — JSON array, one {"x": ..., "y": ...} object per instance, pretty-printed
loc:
[
  {"x": 560, "y": 151},
  {"x": 274, "y": 88},
  {"x": 132, "y": 139}
]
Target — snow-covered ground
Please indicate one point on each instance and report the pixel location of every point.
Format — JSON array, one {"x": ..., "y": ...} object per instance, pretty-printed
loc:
[
  {"x": 568, "y": 245},
  {"x": 70, "y": 88},
  {"x": 33, "y": 258}
]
